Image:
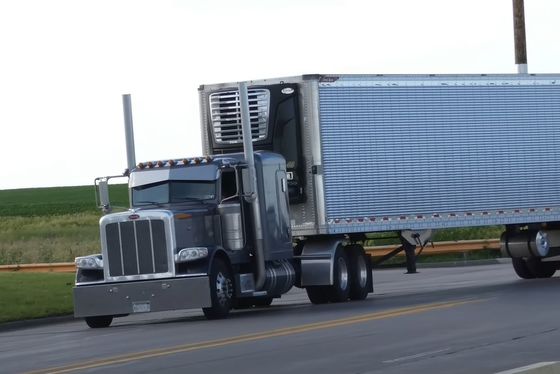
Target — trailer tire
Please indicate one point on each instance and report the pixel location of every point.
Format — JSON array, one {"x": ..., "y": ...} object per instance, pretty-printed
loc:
[
  {"x": 98, "y": 322},
  {"x": 221, "y": 290},
  {"x": 521, "y": 268},
  {"x": 541, "y": 269},
  {"x": 340, "y": 290},
  {"x": 318, "y": 294},
  {"x": 360, "y": 273}
]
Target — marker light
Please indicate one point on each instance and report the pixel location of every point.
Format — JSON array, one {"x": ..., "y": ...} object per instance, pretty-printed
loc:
[
  {"x": 93, "y": 262},
  {"x": 191, "y": 254}
]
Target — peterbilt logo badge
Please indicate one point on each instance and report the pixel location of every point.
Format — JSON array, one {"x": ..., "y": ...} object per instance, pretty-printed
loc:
[
  {"x": 133, "y": 216},
  {"x": 287, "y": 91}
]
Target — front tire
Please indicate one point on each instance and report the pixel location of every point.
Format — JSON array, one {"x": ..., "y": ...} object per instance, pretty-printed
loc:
[
  {"x": 98, "y": 322},
  {"x": 221, "y": 290}
]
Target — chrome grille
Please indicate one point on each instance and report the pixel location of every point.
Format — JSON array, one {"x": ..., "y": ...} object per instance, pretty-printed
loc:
[
  {"x": 136, "y": 247},
  {"x": 225, "y": 112}
]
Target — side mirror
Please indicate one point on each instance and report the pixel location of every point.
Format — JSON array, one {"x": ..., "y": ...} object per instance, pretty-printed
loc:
[{"x": 102, "y": 195}]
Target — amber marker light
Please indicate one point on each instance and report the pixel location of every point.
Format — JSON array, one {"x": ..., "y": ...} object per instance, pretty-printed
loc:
[{"x": 183, "y": 216}]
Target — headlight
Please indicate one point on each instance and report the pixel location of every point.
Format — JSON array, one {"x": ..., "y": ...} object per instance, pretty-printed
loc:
[
  {"x": 191, "y": 254},
  {"x": 93, "y": 262}
]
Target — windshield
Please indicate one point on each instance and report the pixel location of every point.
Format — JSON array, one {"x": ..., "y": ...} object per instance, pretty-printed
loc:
[{"x": 173, "y": 192}]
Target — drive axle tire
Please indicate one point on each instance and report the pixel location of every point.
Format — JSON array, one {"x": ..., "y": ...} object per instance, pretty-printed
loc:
[
  {"x": 221, "y": 290},
  {"x": 318, "y": 294},
  {"x": 340, "y": 289},
  {"x": 99, "y": 321},
  {"x": 360, "y": 273}
]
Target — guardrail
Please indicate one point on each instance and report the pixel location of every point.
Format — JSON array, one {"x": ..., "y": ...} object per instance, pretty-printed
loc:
[{"x": 378, "y": 251}]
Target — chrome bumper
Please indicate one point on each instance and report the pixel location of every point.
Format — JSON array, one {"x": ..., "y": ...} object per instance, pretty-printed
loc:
[{"x": 141, "y": 296}]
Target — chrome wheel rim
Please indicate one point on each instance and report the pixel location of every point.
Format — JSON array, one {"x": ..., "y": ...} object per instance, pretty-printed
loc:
[
  {"x": 224, "y": 289},
  {"x": 342, "y": 274},
  {"x": 362, "y": 271}
]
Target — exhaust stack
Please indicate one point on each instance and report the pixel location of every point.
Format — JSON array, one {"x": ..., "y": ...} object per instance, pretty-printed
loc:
[
  {"x": 129, "y": 133},
  {"x": 253, "y": 197}
]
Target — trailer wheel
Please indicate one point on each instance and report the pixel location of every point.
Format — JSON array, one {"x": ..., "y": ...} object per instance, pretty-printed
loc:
[
  {"x": 360, "y": 273},
  {"x": 340, "y": 289},
  {"x": 533, "y": 268},
  {"x": 541, "y": 269},
  {"x": 318, "y": 294},
  {"x": 221, "y": 290},
  {"x": 97, "y": 322}
]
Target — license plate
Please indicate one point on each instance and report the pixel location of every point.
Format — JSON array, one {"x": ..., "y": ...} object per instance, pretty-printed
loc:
[{"x": 141, "y": 307}]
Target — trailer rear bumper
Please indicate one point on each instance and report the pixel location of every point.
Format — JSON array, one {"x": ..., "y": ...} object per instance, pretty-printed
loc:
[{"x": 141, "y": 296}]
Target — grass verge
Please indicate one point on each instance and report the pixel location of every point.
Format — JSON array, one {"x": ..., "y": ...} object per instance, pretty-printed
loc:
[{"x": 35, "y": 295}]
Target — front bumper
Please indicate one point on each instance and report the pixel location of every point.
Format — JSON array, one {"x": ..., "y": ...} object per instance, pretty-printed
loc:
[{"x": 141, "y": 296}]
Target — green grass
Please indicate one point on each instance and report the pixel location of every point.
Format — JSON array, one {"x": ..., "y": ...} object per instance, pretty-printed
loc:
[
  {"x": 35, "y": 295},
  {"x": 51, "y": 201},
  {"x": 53, "y": 224}
]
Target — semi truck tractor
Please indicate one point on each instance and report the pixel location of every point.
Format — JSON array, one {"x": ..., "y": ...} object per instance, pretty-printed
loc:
[{"x": 336, "y": 157}]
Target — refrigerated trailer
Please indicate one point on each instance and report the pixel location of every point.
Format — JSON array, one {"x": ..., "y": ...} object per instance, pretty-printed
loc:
[{"x": 337, "y": 157}]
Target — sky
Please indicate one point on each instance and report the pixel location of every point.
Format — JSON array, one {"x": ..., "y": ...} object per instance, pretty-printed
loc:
[{"x": 64, "y": 65}]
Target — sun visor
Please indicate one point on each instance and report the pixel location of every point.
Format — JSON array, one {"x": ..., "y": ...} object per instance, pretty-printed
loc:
[{"x": 190, "y": 173}]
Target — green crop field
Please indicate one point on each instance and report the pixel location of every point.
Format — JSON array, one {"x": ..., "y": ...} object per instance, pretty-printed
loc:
[{"x": 51, "y": 224}]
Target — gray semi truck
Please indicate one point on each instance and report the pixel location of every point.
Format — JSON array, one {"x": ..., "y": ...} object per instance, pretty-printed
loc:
[{"x": 335, "y": 157}]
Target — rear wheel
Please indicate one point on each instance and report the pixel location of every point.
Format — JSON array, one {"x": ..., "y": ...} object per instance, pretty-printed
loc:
[
  {"x": 318, "y": 294},
  {"x": 541, "y": 269},
  {"x": 360, "y": 273},
  {"x": 533, "y": 268},
  {"x": 521, "y": 268},
  {"x": 97, "y": 322},
  {"x": 221, "y": 290},
  {"x": 340, "y": 289}
]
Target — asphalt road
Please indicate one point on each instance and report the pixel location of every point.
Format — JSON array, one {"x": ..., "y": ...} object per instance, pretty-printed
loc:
[{"x": 480, "y": 319}]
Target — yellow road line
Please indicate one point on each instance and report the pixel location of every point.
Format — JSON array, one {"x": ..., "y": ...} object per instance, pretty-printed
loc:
[{"x": 256, "y": 336}]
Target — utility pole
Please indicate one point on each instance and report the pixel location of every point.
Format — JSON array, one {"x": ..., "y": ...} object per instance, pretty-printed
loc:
[{"x": 519, "y": 36}]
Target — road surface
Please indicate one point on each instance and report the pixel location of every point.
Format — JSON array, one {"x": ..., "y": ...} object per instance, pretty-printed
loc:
[{"x": 479, "y": 319}]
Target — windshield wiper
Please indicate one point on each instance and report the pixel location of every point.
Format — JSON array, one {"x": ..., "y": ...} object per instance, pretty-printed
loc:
[
  {"x": 144, "y": 202},
  {"x": 188, "y": 199}
]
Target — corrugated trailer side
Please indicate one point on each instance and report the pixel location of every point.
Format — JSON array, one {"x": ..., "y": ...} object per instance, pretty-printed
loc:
[{"x": 414, "y": 152}]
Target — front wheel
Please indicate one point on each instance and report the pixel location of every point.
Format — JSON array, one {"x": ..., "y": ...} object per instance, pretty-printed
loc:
[
  {"x": 221, "y": 290},
  {"x": 97, "y": 322}
]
